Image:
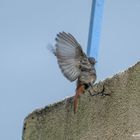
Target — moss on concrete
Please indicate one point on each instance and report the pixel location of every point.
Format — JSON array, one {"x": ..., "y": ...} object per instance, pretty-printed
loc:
[{"x": 115, "y": 117}]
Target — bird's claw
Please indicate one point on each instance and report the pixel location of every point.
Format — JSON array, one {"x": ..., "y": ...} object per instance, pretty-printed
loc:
[
  {"x": 101, "y": 94},
  {"x": 104, "y": 94}
]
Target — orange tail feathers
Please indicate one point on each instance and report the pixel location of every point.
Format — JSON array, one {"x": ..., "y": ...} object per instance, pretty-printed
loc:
[{"x": 79, "y": 91}]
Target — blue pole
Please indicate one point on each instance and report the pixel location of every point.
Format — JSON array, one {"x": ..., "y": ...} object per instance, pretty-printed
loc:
[{"x": 94, "y": 28}]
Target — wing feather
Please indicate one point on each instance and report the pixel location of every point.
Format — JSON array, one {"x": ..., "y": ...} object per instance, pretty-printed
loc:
[{"x": 69, "y": 55}]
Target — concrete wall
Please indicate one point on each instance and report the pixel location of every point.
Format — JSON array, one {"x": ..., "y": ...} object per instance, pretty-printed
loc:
[{"x": 115, "y": 117}]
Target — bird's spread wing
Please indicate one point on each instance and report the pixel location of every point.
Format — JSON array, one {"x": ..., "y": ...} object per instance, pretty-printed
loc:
[{"x": 69, "y": 55}]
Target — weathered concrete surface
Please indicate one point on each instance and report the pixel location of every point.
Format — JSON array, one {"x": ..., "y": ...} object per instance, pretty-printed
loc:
[{"x": 115, "y": 117}]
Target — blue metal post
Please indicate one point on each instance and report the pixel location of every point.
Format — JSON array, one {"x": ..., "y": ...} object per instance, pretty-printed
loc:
[{"x": 95, "y": 27}]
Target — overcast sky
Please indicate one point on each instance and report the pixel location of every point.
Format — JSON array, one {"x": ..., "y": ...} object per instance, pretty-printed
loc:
[{"x": 29, "y": 74}]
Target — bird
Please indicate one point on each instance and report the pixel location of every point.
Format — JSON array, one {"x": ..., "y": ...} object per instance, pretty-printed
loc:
[{"x": 75, "y": 65}]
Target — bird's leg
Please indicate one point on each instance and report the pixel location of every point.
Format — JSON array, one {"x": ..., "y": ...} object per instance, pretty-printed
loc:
[
  {"x": 103, "y": 92},
  {"x": 90, "y": 85},
  {"x": 79, "y": 91}
]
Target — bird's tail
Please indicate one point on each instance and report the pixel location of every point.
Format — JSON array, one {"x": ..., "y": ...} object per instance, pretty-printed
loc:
[{"x": 79, "y": 91}]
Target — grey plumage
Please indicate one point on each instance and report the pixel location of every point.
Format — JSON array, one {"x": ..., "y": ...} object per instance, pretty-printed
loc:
[{"x": 73, "y": 62}]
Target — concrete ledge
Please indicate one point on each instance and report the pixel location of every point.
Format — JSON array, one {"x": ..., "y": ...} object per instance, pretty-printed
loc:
[{"x": 115, "y": 117}]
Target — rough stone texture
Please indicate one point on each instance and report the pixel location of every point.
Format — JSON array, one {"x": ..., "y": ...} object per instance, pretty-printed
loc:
[{"x": 115, "y": 117}]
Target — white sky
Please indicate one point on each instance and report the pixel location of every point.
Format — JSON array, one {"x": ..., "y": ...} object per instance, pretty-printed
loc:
[{"x": 29, "y": 75}]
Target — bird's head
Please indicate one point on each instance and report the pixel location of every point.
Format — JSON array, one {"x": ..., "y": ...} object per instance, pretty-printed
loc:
[{"x": 92, "y": 60}]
